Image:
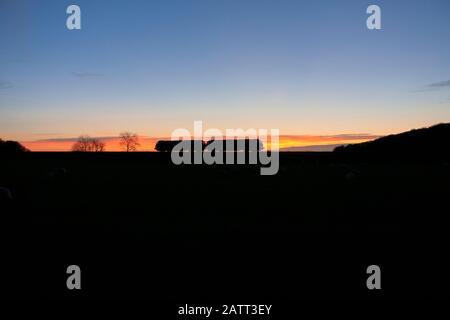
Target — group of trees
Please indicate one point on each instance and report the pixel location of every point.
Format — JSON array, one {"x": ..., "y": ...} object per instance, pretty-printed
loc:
[
  {"x": 219, "y": 145},
  {"x": 128, "y": 141},
  {"x": 88, "y": 144},
  {"x": 11, "y": 147}
]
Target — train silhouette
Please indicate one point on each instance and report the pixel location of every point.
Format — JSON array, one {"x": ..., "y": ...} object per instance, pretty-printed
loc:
[{"x": 222, "y": 145}]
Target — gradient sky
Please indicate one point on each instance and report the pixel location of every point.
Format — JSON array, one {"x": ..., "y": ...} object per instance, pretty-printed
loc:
[{"x": 305, "y": 67}]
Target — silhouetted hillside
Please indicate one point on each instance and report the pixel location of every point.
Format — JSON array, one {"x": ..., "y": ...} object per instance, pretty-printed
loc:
[
  {"x": 11, "y": 147},
  {"x": 432, "y": 142}
]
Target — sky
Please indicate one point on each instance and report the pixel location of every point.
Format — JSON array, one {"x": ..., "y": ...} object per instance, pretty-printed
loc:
[{"x": 310, "y": 68}]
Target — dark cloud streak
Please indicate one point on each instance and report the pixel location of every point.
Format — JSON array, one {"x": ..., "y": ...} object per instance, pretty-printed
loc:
[
  {"x": 87, "y": 75},
  {"x": 438, "y": 85},
  {"x": 6, "y": 85}
]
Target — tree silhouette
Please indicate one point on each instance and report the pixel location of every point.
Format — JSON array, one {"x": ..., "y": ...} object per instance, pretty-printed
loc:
[
  {"x": 11, "y": 147},
  {"x": 166, "y": 145},
  {"x": 97, "y": 145},
  {"x": 129, "y": 141},
  {"x": 88, "y": 144}
]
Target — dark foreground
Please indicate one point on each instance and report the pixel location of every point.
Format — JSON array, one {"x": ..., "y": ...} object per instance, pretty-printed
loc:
[{"x": 141, "y": 227}]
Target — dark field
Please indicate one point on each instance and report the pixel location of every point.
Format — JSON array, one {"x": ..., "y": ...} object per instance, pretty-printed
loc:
[{"x": 140, "y": 226}]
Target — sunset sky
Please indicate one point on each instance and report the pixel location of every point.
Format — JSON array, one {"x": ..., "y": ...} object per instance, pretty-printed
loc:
[{"x": 309, "y": 68}]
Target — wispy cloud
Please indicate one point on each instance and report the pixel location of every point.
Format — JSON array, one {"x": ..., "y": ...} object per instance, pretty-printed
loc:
[
  {"x": 319, "y": 147},
  {"x": 330, "y": 138},
  {"x": 438, "y": 85},
  {"x": 48, "y": 135},
  {"x": 73, "y": 139},
  {"x": 6, "y": 85},
  {"x": 434, "y": 86},
  {"x": 87, "y": 75}
]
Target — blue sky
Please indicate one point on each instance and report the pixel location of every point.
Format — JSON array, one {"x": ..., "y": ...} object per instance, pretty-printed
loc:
[{"x": 305, "y": 67}]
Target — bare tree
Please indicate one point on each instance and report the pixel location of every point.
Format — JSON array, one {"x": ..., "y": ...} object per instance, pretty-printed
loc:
[
  {"x": 82, "y": 144},
  {"x": 97, "y": 145},
  {"x": 129, "y": 141},
  {"x": 88, "y": 144}
]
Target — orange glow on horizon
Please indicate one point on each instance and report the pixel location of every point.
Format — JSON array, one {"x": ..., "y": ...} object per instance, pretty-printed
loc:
[{"x": 148, "y": 143}]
